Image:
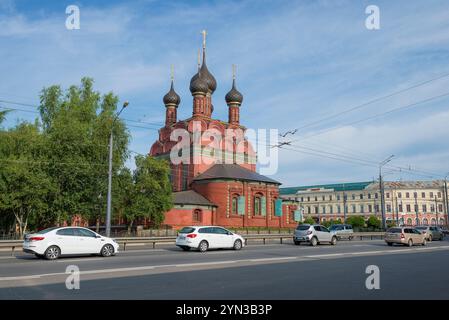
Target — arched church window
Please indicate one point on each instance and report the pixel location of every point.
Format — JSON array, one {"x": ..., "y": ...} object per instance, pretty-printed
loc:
[{"x": 235, "y": 204}]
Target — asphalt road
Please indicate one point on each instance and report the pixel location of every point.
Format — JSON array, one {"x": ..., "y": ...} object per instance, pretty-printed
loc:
[{"x": 256, "y": 272}]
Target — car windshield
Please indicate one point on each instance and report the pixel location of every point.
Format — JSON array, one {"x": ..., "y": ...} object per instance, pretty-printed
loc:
[
  {"x": 187, "y": 230},
  {"x": 421, "y": 228},
  {"x": 303, "y": 227},
  {"x": 395, "y": 230},
  {"x": 335, "y": 227},
  {"x": 46, "y": 230}
]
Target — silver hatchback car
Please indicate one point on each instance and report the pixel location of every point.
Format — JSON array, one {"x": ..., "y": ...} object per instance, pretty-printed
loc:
[{"x": 313, "y": 234}]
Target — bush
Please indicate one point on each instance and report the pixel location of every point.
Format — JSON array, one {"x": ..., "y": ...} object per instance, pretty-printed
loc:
[
  {"x": 309, "y": 220},
  {"x": 374, "y": 222},
  {"x": 356, "y": 221},
  {"x": 328, "y": 223}
]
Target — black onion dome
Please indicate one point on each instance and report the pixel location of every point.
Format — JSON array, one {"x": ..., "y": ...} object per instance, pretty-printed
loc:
[
  {"x": 208, "y": 77},
  {"x": 234, "y": 95},
  {"x": 198, "y": 84},
  {"x": 172, "y": 97}
]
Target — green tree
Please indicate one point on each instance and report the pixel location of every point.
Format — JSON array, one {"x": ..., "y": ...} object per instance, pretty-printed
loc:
[
  {"x": 373, "y": 222},
  {"x": 76, "y": 127},
  {"x": 356, "y": 221},
  {"x": 25, "y": 187},
  {"x": 147, "y": 194}
]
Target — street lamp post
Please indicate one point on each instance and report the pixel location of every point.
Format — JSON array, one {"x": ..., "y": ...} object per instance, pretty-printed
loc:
[
  {"x": 108, "y": 212},
  {"x": 446, "y": 199},
  {"x": 381, "y": 186}
]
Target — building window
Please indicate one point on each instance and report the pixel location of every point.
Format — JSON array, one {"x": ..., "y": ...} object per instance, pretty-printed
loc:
[
  {"x": 324, "y": 209},
  {"x": 415, "y": 195},
  {"x": 376, "y": 196},
  {"x": 423, "y": 195},
  {"x": 376, "y": 208},
  {"x": 416, "y": 208},
  {"x": 316, "y": 198},
  {"x": 330, "y": 198},
  {"x": 361, "y": 196},
  {"x": 407, "y": 195},
  {"x": 424, "y": 208},
  {"x": 362, "y": 208},
  {"x": 388, "y": 195},
  {"x": 370, "y": 208},
  {"x": 440, "y": 208},
  {"x": 338, "y": 197},
  {"x": 197, "y": 215},
  {"x": 354, "y": 210},
  {"x": 439, "y": 194},
  {"x": 353, "y": 197},
  {"x": 369, "y": 195},
  {"x": 308, "y": 210},
  {"x": 399, "y": 195},
  {"x": 317, "y": 209},
  {"x": 257, "y": 205},
  {"x": 235, "y": 205},
  {"x": 338, "y": 209},
  {"x": 400, "y": 208},
  {"x": 308, "y": 198},
  {"x": 431, "y": 195},
  {"x": 331, "y": 209},
  {"x": 324, "y": 198},
  {"x": 388, "y": 207}
]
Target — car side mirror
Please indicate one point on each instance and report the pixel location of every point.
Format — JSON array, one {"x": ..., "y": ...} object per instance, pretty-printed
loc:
[
  {"x": 230, "y": 233},
  {"x": 97, "y": 236}
]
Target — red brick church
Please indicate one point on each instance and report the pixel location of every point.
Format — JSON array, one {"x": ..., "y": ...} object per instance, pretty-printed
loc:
[{"x": 224, "y": 187}]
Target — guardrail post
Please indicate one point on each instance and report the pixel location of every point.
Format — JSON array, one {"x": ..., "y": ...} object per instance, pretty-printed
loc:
[
  {"x": 264, "y": 240},
  {"x": 154, "y": 244},
  {"x": 124, "y": 246},
  {"x": 281, "y": 240},
  {"x": 12, "y": 252}
]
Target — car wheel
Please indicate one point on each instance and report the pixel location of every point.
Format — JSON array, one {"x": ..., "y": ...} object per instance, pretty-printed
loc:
[
  {"x": 237, "y": 245},
  {"x": 334, "y": 241},
  {"x": 424, "y": 242},
  {"x": 107, "y": 250},
  {"x": 203, "y": 246},
  {"x": 430, "y": 238},
  {"x": 52, "y": 253},
  {"x": 185, "y": 248},
  {"x": 410, "y": 243},
  {"x": 390, "y": 243},
  {"x": 313, "y": 242}
]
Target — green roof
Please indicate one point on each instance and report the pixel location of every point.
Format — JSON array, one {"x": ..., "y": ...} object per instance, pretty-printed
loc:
[{"x": 350, "y": 186}]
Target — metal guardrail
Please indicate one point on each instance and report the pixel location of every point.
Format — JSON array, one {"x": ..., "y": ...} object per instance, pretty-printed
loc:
[{"x": 152, "y": 241}]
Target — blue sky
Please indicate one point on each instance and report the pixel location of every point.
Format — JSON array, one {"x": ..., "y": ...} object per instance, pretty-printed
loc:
[{"x": 297, "y": 62}]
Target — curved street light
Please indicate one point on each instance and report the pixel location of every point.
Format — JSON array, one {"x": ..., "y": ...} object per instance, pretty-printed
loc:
[{"x": 108, "y": 211}]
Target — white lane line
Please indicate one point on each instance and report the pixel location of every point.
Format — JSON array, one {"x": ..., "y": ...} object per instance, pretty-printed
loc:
[
  {"x": 272, "y": 259},
  {"x": 87, "y": 259}
]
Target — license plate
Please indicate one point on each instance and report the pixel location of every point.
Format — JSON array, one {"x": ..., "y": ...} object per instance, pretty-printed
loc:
[{"x": 182, "y": 238}]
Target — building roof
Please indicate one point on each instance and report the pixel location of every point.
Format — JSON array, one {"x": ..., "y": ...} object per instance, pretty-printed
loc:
[
  {"x": 191, "y": 197},
  {"x": 350, "y": 186},
  {"x": 233, "y": 172},
  {"x": 370, "y": 185}
]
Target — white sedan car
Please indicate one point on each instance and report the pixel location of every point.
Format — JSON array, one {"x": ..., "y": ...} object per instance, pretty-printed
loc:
[
  {"x": 208, "y": 237},
  {"x": 53, "y": 242}
]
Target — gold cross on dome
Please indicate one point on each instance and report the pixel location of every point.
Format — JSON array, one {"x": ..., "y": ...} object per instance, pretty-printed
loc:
[
  {"x": 233, "y": 71},
  {"x": 204, "y": 33}
]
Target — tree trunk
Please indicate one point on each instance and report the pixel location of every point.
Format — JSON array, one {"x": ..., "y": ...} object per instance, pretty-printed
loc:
[{"x": 130, "y": 225}]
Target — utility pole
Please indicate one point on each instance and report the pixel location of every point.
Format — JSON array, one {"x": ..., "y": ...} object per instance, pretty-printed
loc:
[
  {"x": 344, "y": 204},
  {"x": 446, "y": 199},
  {"x": 415, "y": 195},
  {"x": 436, "y": 208},
  {"x": 381, "y": 187},
  {"x": 108, "y": 212},
  {"x": 396, "y": 207}
]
